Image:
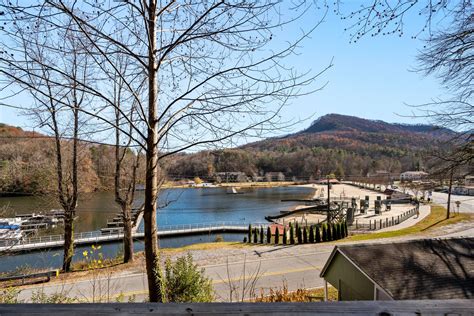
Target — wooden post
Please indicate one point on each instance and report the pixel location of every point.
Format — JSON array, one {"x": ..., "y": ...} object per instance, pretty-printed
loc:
[
  {"x": 325, "y": 290},
  {"x": 329, "y": 203}
]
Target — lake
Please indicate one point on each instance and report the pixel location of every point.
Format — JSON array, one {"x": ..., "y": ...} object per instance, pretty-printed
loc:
[{"x": 177, "y": 206}]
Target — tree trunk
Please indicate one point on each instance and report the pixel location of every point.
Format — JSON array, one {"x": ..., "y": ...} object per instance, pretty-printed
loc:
[
  {"x": 68, "y": 240},
  {"x": 151, "y": 182},
  {"x": 127, "y": 236}
]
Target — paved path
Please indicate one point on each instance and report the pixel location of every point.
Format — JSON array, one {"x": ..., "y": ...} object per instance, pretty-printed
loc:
[{"x": 424, "y": 211}]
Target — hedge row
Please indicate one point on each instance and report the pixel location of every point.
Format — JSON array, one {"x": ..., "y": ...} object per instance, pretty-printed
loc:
[{"x": 298, "y": 235}]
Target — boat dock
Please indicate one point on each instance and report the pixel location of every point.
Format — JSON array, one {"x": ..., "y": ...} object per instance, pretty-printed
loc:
[{"x": 98, "y": 237}]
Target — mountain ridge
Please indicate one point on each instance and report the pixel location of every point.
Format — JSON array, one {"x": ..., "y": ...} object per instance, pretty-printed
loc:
[{"x": 340, "y": 122}]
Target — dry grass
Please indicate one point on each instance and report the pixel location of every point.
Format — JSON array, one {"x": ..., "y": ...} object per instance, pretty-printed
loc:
[
  {"x": 301, "y": 295},
  {"x": 436, "y": 219},
  {"x": 208, "y": 246}
]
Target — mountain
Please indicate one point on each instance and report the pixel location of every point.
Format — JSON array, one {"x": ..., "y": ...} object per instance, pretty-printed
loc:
[
  {"x": 360, "y": 135},
  {"x": 334, "y": 143},
  {"x": 338, "y": 122}
]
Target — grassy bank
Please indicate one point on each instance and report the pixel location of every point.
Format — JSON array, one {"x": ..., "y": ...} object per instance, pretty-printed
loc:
[{"x": 436, "y": 219}]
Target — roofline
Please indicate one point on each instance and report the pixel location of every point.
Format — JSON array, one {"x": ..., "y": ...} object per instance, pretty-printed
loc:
[
  {"x": 328, "y": 262},
  {"x": 326, "y": 265},
  {"x": 366, "y": 275}
]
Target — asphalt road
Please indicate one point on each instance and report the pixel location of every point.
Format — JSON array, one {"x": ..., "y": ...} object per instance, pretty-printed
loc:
[
  {"x": 466, "y": 205},
  {"x": 268, "y": 266},
  {"x": 287, "y": 265}
]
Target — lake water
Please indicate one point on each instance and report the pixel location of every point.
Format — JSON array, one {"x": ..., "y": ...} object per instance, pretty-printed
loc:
[{"x": 177, "y": 206}]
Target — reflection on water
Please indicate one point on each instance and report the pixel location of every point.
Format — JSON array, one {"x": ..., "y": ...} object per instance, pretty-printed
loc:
[{"x": 178, "y": 206}]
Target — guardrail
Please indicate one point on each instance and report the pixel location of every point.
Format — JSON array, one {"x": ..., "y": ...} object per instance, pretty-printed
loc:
[{"x": 103, "y": 236}]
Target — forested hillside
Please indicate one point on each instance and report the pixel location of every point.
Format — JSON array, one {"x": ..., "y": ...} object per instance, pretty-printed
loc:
[
  {"x": 27, "y": 163},
  {"x": 339, "y": 144}
]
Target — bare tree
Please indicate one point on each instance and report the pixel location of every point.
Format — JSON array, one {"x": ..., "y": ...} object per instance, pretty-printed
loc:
[
  {"x": 57, "y": 105},
  {"x": 124, "y": 186},
  {"x": 448, "y": 27},
  {"x": 200, "y": 73}
]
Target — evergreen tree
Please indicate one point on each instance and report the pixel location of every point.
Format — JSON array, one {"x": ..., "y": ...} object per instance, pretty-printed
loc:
[
  {"x": 318, "y": 234},
  {"x": 292, "y": 235},
  {"x": 325, "y": 233},
  {"x": 311, "y": 234},
  {"x": 345, "y": 229},
  {"x": 262, "y": 236},
  {"x": 328, "y": 232},
  {"x": 277, "y": 235},
  {"x": 250, "y": 234},
  {"x": 305, "y": 235},
  {"x": 284, "y": 236},
  {"x": 269, "y": 235},
  {"x": 338, "y": 231},
  {"x": 299, "y": 235},
  {"x": 255, "y": 237}
]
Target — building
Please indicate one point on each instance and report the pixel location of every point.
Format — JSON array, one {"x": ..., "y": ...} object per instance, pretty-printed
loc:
[
  {"x": 413, "y": 175},
  {"x": 469, "y": 181},
  {"x": 274, "y": 176},
  {"x": 237, "y": 176},
  {"x": 412, "y": 270}
]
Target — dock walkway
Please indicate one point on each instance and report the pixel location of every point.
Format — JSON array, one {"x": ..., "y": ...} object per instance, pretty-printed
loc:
[{"x": 95, "y": 237}]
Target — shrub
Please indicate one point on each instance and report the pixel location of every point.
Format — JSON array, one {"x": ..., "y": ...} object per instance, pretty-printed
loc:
[
  {"x": 305, "y": 235},
  {"x": 269, "y": 235},
  {"x": 9, "y": 296},
  {"x": 292, "y": 235},
  {"x": 346, "y": 233},
  {"x": 277, "y": 236},
  {"x": 311, "y": 234},
  {"x": 299, "y": 235},
  {"x": 186, "y": 283},
  {"x": 284, "y": 236},
  {"x": 338, "y": 230},
  {"x": 250, "y": 233},
  {"x": 219, "y": 238},
  {"x": 39, "y": 297},
  {"x": 261, "y": 235},
  {"x": 318, "y": 234},
  {"x": 329, "y": 233},
  {"x": 325, "y": 233},
  {"x": 255, "y": 235}
]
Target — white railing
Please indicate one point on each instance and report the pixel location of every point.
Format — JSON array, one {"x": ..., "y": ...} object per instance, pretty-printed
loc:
[{"x": 101, "y": 236}]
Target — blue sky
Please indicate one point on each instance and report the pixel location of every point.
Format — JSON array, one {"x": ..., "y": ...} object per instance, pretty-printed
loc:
[{"x": 372, "y": 78}]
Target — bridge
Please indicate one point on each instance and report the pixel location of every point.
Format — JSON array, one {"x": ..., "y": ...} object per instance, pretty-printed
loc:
[{"x": 96, "y": 237}]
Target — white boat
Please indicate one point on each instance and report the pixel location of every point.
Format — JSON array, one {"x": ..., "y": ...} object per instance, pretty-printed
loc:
[{"x": 233, "y": 190}]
